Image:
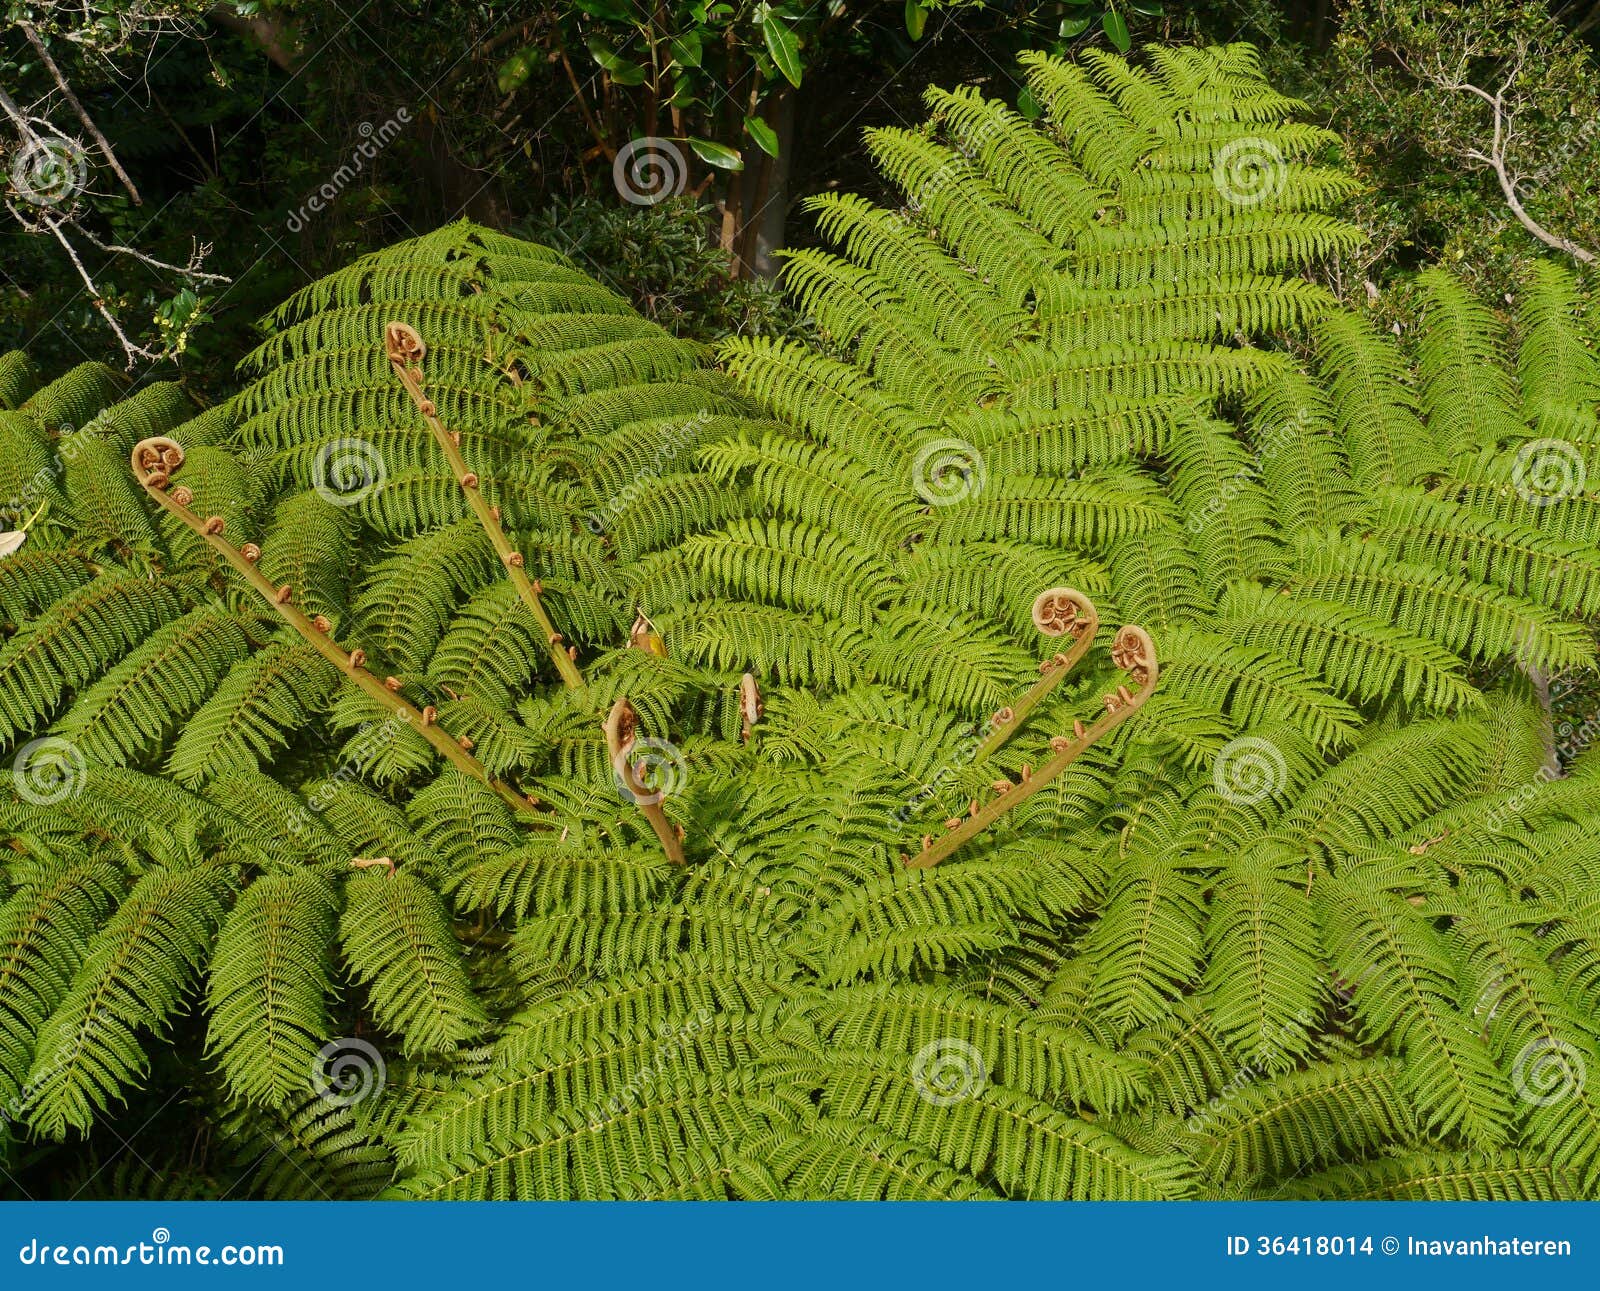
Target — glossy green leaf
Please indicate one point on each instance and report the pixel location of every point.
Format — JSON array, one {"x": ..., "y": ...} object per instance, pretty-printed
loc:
[
  {"x": 783, "y": 46},
  {"x": 514, "y": 72},
  {"x": 765, "y": 136},
  {"x": 687, "y": 49},
  {"x": 1116, "y": 29},
  {"x": 716, "y": 154}
]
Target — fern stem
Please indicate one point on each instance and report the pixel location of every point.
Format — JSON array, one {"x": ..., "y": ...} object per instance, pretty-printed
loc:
[
  {"x": 406, "y": 350},
  {"x": 1050, "y": 616},
  {"x": 349, "y": 662},
  {"x": 620, "y": 727},
  {"x": 1133, "y": 652}
]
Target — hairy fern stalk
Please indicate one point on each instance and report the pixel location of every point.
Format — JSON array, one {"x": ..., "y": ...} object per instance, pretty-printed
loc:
[{"x": 325, "y": 879}]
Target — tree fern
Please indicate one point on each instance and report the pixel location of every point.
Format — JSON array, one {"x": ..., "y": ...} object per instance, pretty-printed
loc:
[{"x": 1310, "y": 923}]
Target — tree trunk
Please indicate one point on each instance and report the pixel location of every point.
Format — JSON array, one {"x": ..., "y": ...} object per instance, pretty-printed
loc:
[
  {"x": 768, "y": 220},
  {"x": 1540, "y": 681},
  {"x": 276, "y": 39}
]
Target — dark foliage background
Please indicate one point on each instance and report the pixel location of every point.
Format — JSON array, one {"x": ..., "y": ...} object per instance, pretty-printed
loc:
[{"x": 229, "y": 118}]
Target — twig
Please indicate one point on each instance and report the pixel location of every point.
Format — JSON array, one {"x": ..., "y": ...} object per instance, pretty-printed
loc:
[
  {"x": 589, "y": 118},
  {"x": 100, "y": 140},
  {"x": 191, "y": 271},
  {"x": 134, "y": 352},
  {"x": 18, "y": 117}
]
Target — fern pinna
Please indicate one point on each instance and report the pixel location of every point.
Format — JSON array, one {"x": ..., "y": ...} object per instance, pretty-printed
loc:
[{"x": 360, "y": 723}]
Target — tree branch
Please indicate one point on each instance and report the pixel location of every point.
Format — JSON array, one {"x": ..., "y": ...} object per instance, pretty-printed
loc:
[
  {"x": 1495, "y": 159},
  {"x": 132, "y": 351},
  {"x": 88, "y": 122}
]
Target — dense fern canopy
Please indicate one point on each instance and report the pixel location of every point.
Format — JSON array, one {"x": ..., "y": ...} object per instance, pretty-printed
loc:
[{"x": 315, "y": 791}]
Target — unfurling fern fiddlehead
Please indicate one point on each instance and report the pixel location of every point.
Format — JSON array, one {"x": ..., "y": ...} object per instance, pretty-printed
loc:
[
  {"x": 621, "y": 732},
  {"x": 1135, "y": 654},
  {"x": 154, "y": 462},
  {"x": 1057, "y": 612},
  {"x": 406, "y": 351}
]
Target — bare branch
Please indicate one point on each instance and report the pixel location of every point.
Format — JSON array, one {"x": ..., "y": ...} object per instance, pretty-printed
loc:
[
  {"x": 1496, "y": 161},
  {"x": 18, "y": 118},
  {"x": 134, "y": 352},
  {"x": 191, "y": 272},
  {"x": 48, "y": 202},
  {"x": 1502, "y": 111},
  {"x": 95, "y": 133}
]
